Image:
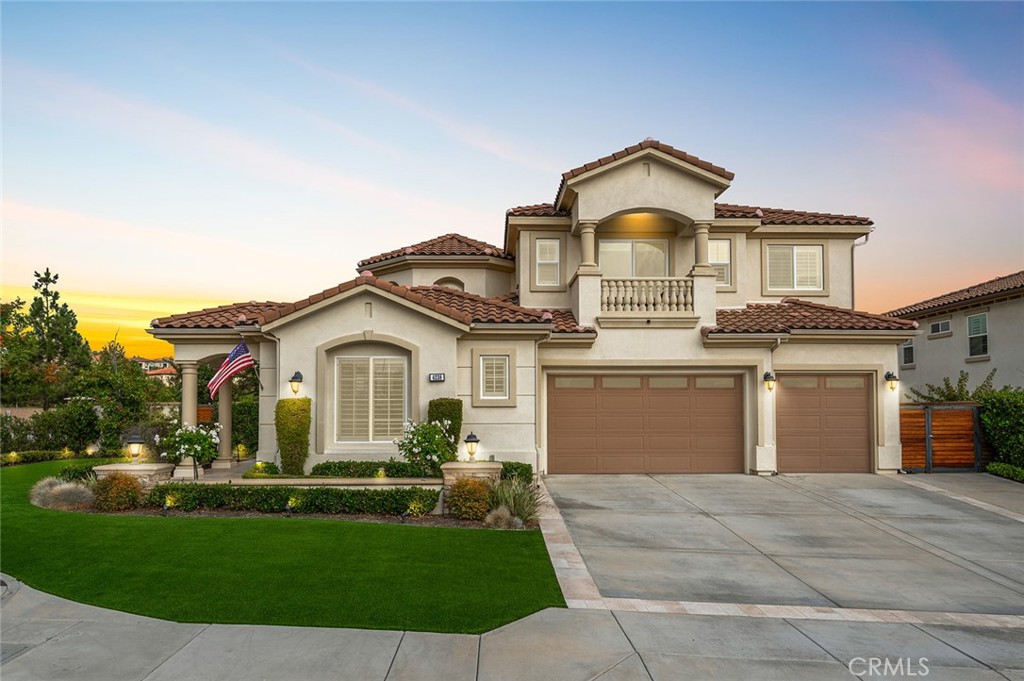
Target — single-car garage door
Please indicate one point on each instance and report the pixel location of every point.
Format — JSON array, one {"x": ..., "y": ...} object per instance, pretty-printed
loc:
[
  {"x": 823, "y": 423},
  {"x": 645, "y": 424}
]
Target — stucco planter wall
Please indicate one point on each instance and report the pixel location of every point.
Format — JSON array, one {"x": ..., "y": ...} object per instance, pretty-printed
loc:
[{"x": 148, "y": 474}]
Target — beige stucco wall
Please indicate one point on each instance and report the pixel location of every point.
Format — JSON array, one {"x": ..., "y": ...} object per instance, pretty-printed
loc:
[
  {"x": 945, "y": 356},
  {"x": 478, "y": 280},
  {"x": 524, "y": 249},
  {"x": 750, "y": 250}
]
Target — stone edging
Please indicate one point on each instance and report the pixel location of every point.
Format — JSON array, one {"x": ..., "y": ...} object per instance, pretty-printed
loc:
[{"x": 11, "y": 587}]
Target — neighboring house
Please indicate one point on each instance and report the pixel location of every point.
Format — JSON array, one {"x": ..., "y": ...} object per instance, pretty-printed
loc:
[
  {"x": 165, "y": 375},
  {"x": 626, "y": 327},
  {"x": 152, "y": 364},
  {"x": 976, "y": 329}
]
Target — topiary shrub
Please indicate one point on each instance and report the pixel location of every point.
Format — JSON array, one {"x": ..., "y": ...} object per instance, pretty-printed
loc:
[
  {"x": 470, "y": 498},
  {"x": 448, "y": 412},
  {"x": 520, "y": 497},
  {"x": 1002, "y": 419},
  {"x": 118, "y": 492},
  {"x": 292, "y": 418},
  {"x": 515, "y": 469}
]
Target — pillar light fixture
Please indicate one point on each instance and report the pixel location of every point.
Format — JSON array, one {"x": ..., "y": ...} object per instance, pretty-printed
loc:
[
  {"x": 472, "y": 441},
  {"x": 892, "y": 379},
  {"x": 769, "y": 381},
  {"x": 295, "y": 382},
  {"x": 135, "y": 446}
]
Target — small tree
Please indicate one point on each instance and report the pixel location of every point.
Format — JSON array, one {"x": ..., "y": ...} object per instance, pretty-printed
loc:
[
  {"x": 292, "y": 417},
  {"x": 60, "y": 352},
  {"x": 427, "y": 446},
  {"x": 119, "y": 387},
  {"x": 948, "y": 392}
]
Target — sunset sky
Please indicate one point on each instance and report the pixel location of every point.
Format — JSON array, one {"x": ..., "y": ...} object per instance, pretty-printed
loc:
[{"x": 171, "y": 156}]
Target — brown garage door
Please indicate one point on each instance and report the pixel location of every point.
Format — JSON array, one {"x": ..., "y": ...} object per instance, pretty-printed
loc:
[
  {"x": 645, "y": 424},
  {"x": 823, "y": 423}
]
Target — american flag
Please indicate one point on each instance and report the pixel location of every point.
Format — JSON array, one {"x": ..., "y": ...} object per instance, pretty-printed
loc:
[{"x": 239, "y": 360}]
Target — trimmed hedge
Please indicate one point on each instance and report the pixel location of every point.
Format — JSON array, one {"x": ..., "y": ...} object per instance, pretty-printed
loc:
[
  {"x": 275, "y": 499},
  {"x": 367, "y": 469},
  {"x": 515, "y": 469},
  {"x": 441, "y": 409},
  {"x": 292, "y": 418},
  {"x": 1005, "y": 470},
  {"x": 35, "y": 456},
  {"x": 1002, "y": 418}
]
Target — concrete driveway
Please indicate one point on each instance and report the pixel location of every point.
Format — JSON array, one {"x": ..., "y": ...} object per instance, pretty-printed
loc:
[{"x": 849, "y": 541}]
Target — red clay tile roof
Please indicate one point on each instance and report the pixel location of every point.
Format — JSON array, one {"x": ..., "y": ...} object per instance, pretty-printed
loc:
[
  {"x": 1009, "y": 284},
  {"x": 446, "y": 244},
  {"x": 223, "y": 317},
  {"x": 565, "y": 321},
  {"x": 768, "y": 216},
  {"x": 500, "y": 309},
  {"x": 166, "y": 371},
  {"x": 784, "y": 216},
  {"x": 795, "y": 314}
]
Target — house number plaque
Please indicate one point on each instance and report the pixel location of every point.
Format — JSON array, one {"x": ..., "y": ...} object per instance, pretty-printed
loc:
[{"x": 435, "y": 378}]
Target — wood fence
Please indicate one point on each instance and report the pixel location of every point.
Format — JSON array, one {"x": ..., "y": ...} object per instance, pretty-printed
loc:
[{"x": 943, "y": 435}]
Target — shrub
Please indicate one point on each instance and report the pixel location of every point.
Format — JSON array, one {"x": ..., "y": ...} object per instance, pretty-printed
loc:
[
  {"x": 42, "y": 487},
  {"x": 245, "y": 422},
  {"x": 520, "y": 497},
  {"x": 276, "y": 499},
  {"x": 500, "y": 518},
  {"x": 63, "y": 496},
  {"x": 426, "y": 446},
  {"x": 367, "y": 469},
  {"x": 199, "y": 441},
  {"x": 35, "y": 456},
  {"x": 118, "y": 492},
  {"x": 73, "y": 425},
  {"x": 1005, "y": 470},
  {"x": 948, "y": 392},
  {"x": 515, "y": 469},
  {"x": 446, "y": 410},
  {"x": 469, "y": 498},
  {"x": 1002, "y": 418},
  {"x": 262, "y": 469},
  {"x": 292, "y": 417},
  {"x": 77, "y": 472},
  {"x": 15, "y": 434}
]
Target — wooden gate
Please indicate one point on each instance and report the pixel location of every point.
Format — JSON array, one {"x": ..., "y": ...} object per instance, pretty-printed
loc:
[{"x": 944, "y": 435}]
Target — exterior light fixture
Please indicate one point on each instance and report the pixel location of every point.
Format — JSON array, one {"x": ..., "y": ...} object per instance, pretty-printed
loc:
[
  {"x": 295, "y": 382},
  {"x": 769, "y": 381},
  {"x": 892, "y": 379},
  {"x": 135, "y": 446},
  {"x": 472, "y": 441},
  {"x": 92, "y": 448}
]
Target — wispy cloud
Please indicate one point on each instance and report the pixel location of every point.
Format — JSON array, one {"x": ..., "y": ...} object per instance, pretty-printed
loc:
[{"x": 473, "y": 135}]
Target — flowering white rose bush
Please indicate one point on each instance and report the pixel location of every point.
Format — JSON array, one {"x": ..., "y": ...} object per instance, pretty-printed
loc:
[
  {"x": 427, "y": 445},
  {"x": 200, "y": 442}
]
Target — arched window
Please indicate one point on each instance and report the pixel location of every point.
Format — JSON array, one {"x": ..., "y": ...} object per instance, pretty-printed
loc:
[{"x": 450, "y": 282}]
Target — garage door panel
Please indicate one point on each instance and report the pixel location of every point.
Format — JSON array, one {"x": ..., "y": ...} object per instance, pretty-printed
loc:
[
  {"x": 823, "y": 423},
  {"x": 657, "y": 424}
]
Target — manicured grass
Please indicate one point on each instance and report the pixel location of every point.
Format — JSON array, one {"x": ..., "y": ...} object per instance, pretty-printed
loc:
[{"x": 274, "y": 570}]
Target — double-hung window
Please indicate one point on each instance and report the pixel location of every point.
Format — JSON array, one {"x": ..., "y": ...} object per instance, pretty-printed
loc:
[
  {"x": 908, "y": 353},
  {"x": 370, "y": 398},
  {"x": 629, "y": 258},
  {"x": 795, "y": 268},
  {"x": 720, "y": 258},
  {"x": 547, "y": 262},
  {"x": 977, "y": 335}
]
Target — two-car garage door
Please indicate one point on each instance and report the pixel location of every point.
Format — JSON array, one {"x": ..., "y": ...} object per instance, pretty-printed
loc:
[
  {"x": 694, "y": 423},
  {"x": 645, "y": 424}
]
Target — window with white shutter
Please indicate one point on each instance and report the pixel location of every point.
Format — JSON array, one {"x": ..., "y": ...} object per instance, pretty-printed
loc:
[
  {"x": 494, "y": 377},
  {"x": 795, "y": 268},
  {"x": 720, "y": 258},
  {"x": 370, "y": 394}
]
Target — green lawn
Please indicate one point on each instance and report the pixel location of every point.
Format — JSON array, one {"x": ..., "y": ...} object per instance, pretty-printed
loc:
[{"x": 274, "y": 570}]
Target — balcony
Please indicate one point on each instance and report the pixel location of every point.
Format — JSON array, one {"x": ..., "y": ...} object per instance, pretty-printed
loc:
[{"x": 653, "y": 301}]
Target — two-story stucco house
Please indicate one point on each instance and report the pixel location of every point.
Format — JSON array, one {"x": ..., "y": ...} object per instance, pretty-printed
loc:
[
  {"x": 632, "y": 325},
  {"x": 975, "y": 329}
]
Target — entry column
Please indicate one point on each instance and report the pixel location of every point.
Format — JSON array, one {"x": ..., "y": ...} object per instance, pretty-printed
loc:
[{"x": 223, "y": 459}]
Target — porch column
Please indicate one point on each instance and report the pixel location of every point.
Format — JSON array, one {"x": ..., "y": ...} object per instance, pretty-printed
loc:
[
  {"x": 700, "y": 243},
  {"x": 587, "y": 230},
  {"x": 223, "y": 459},
  {"x": 189, "y": 392}
]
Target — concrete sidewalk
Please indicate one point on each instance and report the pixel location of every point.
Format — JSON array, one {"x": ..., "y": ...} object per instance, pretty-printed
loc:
[{"x": 52, "y": 639}]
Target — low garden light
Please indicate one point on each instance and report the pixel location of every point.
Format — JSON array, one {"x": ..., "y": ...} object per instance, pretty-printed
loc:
[
  {"x": 135, "y": 446},
  {"x": 91, "y": 449},
  {"x": 295, "y": 382},
  {"x": 472, "y": 442},
  {"x": 769, "y": 381},
  {"x": 892, "y": 379},
  {"x": 169, "y": 502}
]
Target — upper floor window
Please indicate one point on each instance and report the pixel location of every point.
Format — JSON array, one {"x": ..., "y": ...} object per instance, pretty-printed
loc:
[
  {"x": 370, "y": 398},
  {"x": 633, "y": 257},
  {"x": 720, "y": 258},
  {"x": 908, "y": 353},
  {"x": 795, "y": 268},
  {"x": 940, "y": 327},
  {"x": 977, "y": 335},
  {"x": 547, "y": 262}
]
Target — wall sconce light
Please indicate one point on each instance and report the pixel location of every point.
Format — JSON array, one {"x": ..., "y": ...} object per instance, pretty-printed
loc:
[
  {"x": 295, "y": 382},
  {"x": 769, "y": 381},
  {"x": 892, "y": 379},
  {"x": 135, "y": 446},
  {"x": 472, "y": 441}
]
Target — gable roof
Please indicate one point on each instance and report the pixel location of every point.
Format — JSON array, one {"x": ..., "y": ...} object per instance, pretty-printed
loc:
[
  {"x": 1010, "y": 284},
  {"x": 466, "y": 308},
  {"x": 223, "y": 317},
  {"x": 446, "y": 244},
  {"x": 793, "y": 314}
]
